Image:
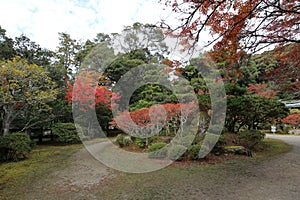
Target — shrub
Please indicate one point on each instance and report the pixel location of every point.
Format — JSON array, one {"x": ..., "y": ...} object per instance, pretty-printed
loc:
[
  {"x": 251, "y": 138},
  {"x": 157, "y": 150},
  {"x": 193, "y": 151},
  {"x": 286, "y": 129},
  {"x": 15, "y": 146},
  {"x": 198, "y": 139},
  {"x": 215, "y": 142},
  {"x": 119, "y": 140},
  {"x": 127, "y": 140},
  {"x": 185, "y": 140},
  {"x": 123, "y": 140},
  {"x": 141, "y": 142},
  {"x": 65, "y": 132},
  {"x": 239, "y": 150},
  {"x": 176, "y": 152}
]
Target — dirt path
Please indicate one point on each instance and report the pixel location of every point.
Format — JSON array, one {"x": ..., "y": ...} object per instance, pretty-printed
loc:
[
  {"x": 86, "y": 178},
  {"x": 276, "y": 178}
]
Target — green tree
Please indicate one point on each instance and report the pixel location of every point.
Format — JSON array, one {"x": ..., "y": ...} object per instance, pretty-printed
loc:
[
  {"x": 255, "y": 67},
  {"x": 251, "y": 111},
  {"x": 66, "y": 53},
  {"x": 24, "y": 88},
  {"x": 32, "y": 52},
  {"x": 6, "y": 46},
  {"x": 147, "y": 37}
]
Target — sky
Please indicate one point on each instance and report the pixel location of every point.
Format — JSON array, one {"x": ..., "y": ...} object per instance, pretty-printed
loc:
[{"x": 42, "y": 20}]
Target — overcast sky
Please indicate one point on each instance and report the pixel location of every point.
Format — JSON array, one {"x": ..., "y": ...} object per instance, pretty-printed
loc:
[{"x": 41, "y": 20}]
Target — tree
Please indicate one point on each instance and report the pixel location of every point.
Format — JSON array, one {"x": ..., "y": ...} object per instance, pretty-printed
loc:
[
  {"x": 66, "y": 53},
  {"x": 86, "y": 94},
  {"x": 6, "y": 46},
  {"x": 251, "y": 111},
  {"x": 256, "y": 66},
  {"x": 24, "y": 88},
  {"x": 293, "y": 119},
  {"x": 32, "y": 52},
  {"x": 146, "y": 122},
  {"x": 286, "y": 74},
  {"x": 146, "y": 37},
  {"x": 83, "y": 93},
  {"x": 236, "y": 26},
  {"x": 261, "y": 90}
]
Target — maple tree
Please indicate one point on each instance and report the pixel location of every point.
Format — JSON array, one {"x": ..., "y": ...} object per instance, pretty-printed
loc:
[
  {"x": 235, "y": 26},
  {"x": 261, "y": 90},
  {"x": 87, "y": 93},
  {"x": 146, "y": 121},
  {"x": 286, "y": 74},
  {"x": 293, "y": 119}
]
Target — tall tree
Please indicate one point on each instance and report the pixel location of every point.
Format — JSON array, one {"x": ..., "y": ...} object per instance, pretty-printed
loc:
[
  {"x": 32, "y": 52},
  {"x": 147, "y": 37},
  {"x": 66, "y": 53},
  {"x": 251, "y": 111},
  {"x": 236, "y": 26},
  {"x": 24, "y": 88},
  {"x": 6, "y": 46}
]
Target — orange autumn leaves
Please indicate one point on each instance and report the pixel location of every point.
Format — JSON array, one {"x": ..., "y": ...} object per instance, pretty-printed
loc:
[
  {"x": 87, "y": 94},
  {"x": 153, "y": 117},
  {"x": 235, "y": 27}
]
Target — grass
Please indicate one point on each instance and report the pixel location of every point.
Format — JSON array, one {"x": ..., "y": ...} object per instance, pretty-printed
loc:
[
  {"x": 271, "y": 147},
  {"x": 190, "y": 178},
  {"x": 42, "y": 160}
]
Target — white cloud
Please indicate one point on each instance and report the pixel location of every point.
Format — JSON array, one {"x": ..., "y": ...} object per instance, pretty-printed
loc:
[{"x": 82, "y": 19}]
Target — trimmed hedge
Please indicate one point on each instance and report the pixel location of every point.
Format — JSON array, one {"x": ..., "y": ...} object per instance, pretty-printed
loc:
[
  {"x": 66, "y": 133},
  {"x": 251, "y": 138},
  {"x": 157, "y": 150},
  {"x": 123, "y": 140},
  {"x": 15, "y": 146}
]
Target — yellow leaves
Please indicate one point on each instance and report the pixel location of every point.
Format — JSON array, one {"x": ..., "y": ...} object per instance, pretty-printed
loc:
[{"x": 23, "y": 82}]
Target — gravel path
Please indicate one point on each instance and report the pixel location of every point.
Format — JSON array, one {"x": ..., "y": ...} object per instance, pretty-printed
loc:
[
  {"x": 85, "y": 178},
  {"x": 276, "y": 178}
]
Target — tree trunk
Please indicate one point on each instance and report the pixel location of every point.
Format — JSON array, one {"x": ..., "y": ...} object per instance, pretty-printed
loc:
[
  {"x": 52, "y": 136},
  {"x": 7, "y": 118},
  {"x": 41, "y": 135},
  {"x": 6, "y": 126}
]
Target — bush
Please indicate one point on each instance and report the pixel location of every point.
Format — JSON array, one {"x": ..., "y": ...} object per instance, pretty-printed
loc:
[
  {"x": 215, "y": 142},
  {"x": 65, "y": 132},
  {"x": 127, "y": 140},
  {"x": 198, "y": 139},
  {"x": 176, "y": 152},
  {"x": 15, "y": 146},
  {"x": 141, "y": 142},
  {"x": 239, "y": 150},
  {"x": 157, "y": 150},
  {"x": 286, "y": 129},
  {"x": 123, "y": 140},
  {"x": 251, "y": 138},
  {"x": 193, "y": 151}
]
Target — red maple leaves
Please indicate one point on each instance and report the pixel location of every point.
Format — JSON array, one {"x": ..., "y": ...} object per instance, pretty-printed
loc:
[
  {"x": 293, "y": 119},
  {"x": 153, "y": 116},
  {"x": 261, "y": 90},
  {"x": 86, "y": 92},
  {"x": 235, "y": 26}
]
